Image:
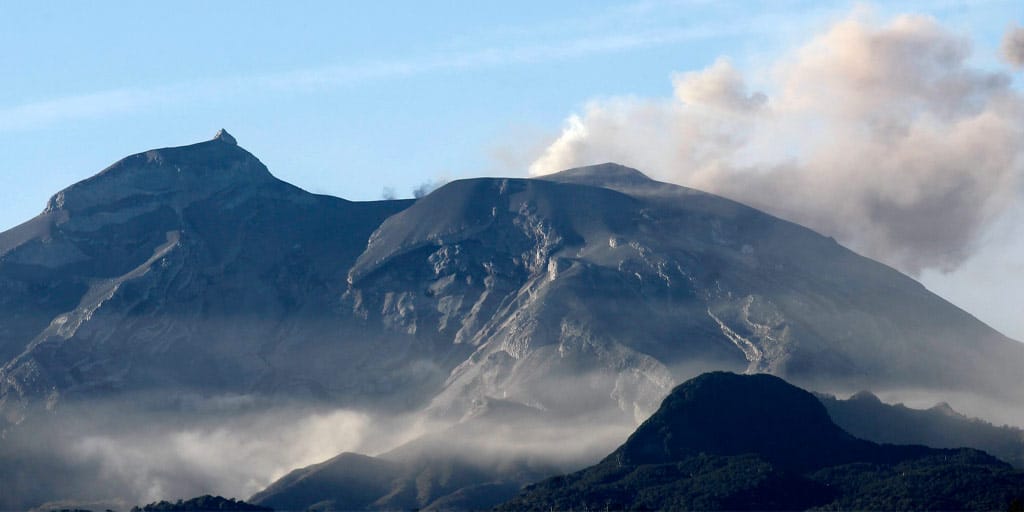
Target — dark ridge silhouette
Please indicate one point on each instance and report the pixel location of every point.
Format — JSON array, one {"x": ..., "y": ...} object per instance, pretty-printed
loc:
[
  {"x": 723, "y": 441},
  {"x": 867, "y": 417},
  {"x": 205, "y": 503}
]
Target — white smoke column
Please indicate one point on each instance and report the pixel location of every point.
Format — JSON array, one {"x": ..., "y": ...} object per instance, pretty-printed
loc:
[{"x": 883, "y": 136}]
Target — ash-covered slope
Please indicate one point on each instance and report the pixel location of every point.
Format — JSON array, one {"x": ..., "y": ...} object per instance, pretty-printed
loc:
[
  {"x": 754, "y": 442},
  {"x": 599, "y": 282},
  {"x": 806, "y": 308},
  {"x": 523, "y": 272},
  {"x": 183, "y": 269}
]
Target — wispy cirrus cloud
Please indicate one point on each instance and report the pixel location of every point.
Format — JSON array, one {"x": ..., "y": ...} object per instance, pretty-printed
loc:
[
  {"x": 98, "y": 104},
  {"x": 46, "y": 112},
  {"x": 625, "y": 27}
]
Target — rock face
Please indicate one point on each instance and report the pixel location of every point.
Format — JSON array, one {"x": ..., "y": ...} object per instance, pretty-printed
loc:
[
  {"x": 187, "y": 268},
  {"x": 730, "y": 442}
]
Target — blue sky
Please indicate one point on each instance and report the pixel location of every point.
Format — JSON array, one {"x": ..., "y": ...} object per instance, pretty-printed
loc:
[{"x": 348, "y": 98}]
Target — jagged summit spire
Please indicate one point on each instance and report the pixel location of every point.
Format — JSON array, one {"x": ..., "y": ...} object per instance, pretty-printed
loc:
[{"x": 224, "y": 136}]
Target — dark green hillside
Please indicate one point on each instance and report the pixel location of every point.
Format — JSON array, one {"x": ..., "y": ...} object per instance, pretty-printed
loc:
[{"x": 754, "y": 442}]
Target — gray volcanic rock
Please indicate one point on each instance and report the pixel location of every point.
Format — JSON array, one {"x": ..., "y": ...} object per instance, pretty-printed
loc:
[
  {"x": 799, "y": 305},
  {"x": 492, "y": 266},
  {"x": 194, "y": 267},
  {"x": 188, "y": 268},
  {"x": 599, "y": 285}
]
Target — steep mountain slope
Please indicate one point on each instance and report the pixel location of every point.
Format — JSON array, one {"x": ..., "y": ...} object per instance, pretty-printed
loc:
[
  {"x": 732, "y": 442},
  {"x": 804, "y": 307},
  {"x": 512, "y": 269},
  {"x": 187, "y": 268},
  {"x": 636, "y": 284}
]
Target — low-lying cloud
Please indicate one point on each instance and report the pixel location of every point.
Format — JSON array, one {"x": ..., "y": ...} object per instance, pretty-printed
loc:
[
  {"x": 882, "y": 135},
  {"x": 237, "y": 457},
  {"x": 135, "y": 450}
]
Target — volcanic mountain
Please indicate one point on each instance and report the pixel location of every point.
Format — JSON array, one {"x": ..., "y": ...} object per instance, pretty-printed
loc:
[
  {"x": 192, "y": 270},
  {"x": 193, "y": 267},
  {"x": 188, "y": 268}
]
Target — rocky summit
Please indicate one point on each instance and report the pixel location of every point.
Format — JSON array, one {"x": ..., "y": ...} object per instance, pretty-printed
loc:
[{"x": 188, "y": 268}]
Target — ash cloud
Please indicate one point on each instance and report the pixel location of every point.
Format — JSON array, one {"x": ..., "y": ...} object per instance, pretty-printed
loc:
[
  {"x": 1013, "y": 46},
  {"x": 425, "y": 188},
  {"x": 882, "y": 135}
]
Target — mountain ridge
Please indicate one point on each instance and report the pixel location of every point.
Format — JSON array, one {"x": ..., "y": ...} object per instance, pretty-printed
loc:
[
  {"x": 193, "y": 270},
  {"x": 462, "y": 263}
]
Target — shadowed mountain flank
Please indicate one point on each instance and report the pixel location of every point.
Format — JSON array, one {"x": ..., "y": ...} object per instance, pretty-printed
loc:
[
  {"x": 866, "y": 416},
  {"x": 188, "y": 268}
]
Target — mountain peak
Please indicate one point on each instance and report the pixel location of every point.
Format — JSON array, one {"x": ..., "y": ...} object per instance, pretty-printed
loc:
[
  {"x": 601, "y": 175},
  {"x": 223, "y": 136},
  {"x": 728, "y": 414},
  {"x": 866, "y": 396},
  {"x": 192, "y": 171}
]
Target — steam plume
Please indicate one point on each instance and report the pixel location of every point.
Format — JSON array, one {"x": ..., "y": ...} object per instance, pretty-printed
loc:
[{"x": 882, "y": 136}]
